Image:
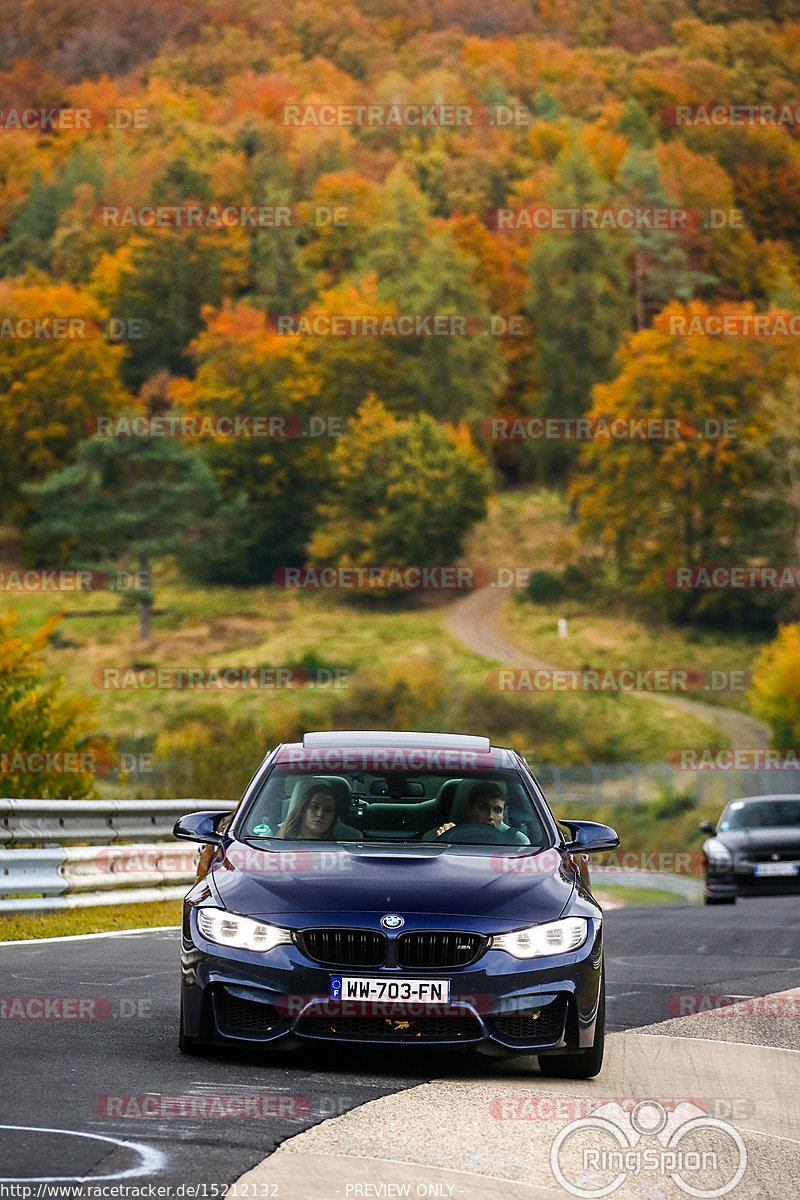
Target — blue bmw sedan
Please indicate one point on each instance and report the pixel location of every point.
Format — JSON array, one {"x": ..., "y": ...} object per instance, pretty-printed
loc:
[{"x": 403, "y": 888}]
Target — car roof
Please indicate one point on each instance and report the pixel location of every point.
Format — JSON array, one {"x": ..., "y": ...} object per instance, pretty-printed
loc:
[
  {"x": 771, "y": 796},
  {"x": 412, "y": 751}
]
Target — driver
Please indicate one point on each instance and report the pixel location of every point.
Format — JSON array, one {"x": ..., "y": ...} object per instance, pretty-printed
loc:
[{"x": 486, "y": 805}]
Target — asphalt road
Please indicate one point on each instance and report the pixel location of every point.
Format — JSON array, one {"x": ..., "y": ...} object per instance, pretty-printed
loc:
[{"x": 77, "y": 1076}]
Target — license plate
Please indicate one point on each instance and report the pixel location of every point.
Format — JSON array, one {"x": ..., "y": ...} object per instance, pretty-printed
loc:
[
  {"x": 779, "y": 868},
  {"x": 359, "y": 987}
]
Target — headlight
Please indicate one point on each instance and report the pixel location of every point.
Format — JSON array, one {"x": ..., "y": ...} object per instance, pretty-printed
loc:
[
  {"x": 557, "y": 937},
  {"x": 227, "y": 929},
  {"x": 718, "y": 854}
]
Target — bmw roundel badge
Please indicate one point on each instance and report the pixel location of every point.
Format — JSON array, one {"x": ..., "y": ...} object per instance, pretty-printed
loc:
[{"x": 392, "y": 921}]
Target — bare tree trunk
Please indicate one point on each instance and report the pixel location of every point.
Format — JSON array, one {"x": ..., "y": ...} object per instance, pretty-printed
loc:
[
  {"x": 144, "y": 621},
  {"x": 146, "y": 603},
  {"x": 638, "y": 276}
]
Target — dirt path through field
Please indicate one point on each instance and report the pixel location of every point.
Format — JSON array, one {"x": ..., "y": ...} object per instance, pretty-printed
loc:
[{"x": 475, "y": 620}]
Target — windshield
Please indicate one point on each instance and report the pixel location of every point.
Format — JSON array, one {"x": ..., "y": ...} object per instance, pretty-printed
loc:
[
  {"x": 489, "y": 807},
  {"x": 766, "y": 814}
]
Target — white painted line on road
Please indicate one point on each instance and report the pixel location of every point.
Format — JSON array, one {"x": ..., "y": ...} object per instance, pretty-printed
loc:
[
  {"x": 676, "y": 1037},
  {"x": 80, "y": 937},
  {"x": 150, "y": 1159},
  {"x": 777, "y": 1136}
]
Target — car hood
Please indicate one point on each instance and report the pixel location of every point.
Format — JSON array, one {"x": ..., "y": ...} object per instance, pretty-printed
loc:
[
  {"x": 335, "y": 882},
  {"x": 781, "y": 838}
]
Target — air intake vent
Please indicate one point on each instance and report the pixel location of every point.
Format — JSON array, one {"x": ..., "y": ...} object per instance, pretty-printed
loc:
[
  {"x": 344, "y": 947},
  {"x": 435, "y": 951}
]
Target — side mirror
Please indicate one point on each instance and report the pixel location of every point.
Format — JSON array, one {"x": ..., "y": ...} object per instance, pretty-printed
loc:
[
  {"x": 707, "y": 827},
  {"x": 200, "y": 827},
  {"x": 590, "y": 836}
]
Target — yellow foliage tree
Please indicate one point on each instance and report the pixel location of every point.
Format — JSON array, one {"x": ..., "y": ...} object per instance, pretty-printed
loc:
[{"x": 775, "y": 694}]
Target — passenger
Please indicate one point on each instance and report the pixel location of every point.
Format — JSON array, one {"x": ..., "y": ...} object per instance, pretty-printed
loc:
[
  {"x": 486, "y": 806},
  {"x": 313, "y": 818}
]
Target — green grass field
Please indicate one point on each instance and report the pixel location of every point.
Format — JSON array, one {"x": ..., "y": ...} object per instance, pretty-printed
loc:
[
  {"x": 403, "y": 667},
  {"x": 103, "y": 918},
  {"x": 533, "y": 527}
]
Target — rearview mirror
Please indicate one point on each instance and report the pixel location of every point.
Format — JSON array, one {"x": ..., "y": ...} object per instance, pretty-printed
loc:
[
  {"x": 590, "y": 836},
  {"x": 200, "y": 827},
  {"x": 707, "y": 827}
]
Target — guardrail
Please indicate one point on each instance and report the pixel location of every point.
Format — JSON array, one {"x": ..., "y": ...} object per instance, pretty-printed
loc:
[
  {"x": 59, "y": 873},
  {"x": 72, "y": 821},
  {"x": 662, "y": 881},
  {"x": 63, "y": 874}
]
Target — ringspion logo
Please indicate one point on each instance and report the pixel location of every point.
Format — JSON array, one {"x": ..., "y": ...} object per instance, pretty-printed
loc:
[{"x": 594, "y": 1155}]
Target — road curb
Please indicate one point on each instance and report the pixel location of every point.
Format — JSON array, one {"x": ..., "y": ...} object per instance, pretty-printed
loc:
[{"x": 449, "y": 1138}]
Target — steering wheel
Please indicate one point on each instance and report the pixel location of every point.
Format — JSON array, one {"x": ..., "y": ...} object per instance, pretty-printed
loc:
[{"x": 482, "y": 835}]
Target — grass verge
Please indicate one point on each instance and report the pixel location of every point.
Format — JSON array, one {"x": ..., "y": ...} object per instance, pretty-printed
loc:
[
  {"x": 103, "y": 919},
  {"x": 627, "y": 897}
]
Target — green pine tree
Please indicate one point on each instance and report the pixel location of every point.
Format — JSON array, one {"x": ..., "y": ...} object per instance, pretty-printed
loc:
[
  {"x": 579, "y": 303},
  {"x": 124, "y": 499}
]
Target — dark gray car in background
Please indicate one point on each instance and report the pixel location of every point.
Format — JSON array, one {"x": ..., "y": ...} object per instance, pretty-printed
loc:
[{"x": 754, "y": 849}]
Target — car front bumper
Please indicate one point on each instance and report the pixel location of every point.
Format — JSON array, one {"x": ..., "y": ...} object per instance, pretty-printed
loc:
[
  {"x": 742, "y": 881},
  {"x": 500, "y": 1005}
]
